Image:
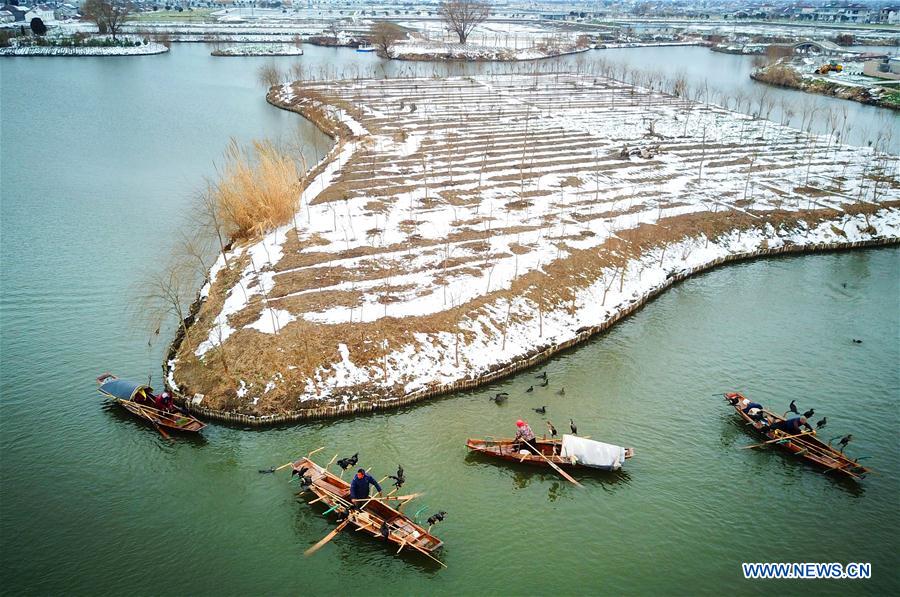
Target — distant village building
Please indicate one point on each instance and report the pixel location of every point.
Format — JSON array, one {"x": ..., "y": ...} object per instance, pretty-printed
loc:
[
  {"x": 17, "y": 12},
  {"x": 885, "y": 68},
  {"x": 890, "y": 15},
  {"x": 66, "y": 11},
  {"x": 43, "y": 12}
]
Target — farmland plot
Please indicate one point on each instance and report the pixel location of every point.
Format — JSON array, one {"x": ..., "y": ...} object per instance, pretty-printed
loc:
[{"x": 462, "y": 226}]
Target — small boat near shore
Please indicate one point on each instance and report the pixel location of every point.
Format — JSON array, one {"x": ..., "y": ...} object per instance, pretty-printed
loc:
[
  {"x": 138, "y": 399},
  {"x": 805, "y": 445},
  {"x": 374, "y": 517},
  {"x": 570, "y": 452},
  {"x": 365, "y": 48}
]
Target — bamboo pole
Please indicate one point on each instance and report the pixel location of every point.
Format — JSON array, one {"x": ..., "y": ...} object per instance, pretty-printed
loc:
[
  {"x": 562, "y": 473},
  {"x": 778, "y": 439},
  {"x": 326, "y": 538}
]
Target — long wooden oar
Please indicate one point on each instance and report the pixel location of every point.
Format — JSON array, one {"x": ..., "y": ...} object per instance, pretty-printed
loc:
[
  {"x": 149, "y": 417},
  {"x": 287, "y": 464},
  {"x": 563, "y": 473},
  {"x": 772, "y": 441},
  {"x": 389, "y": 498},
  {"x": 326, "y": 538}
]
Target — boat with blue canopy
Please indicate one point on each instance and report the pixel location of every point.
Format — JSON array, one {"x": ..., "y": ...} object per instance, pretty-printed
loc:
[{"x": 156, "y": 409}]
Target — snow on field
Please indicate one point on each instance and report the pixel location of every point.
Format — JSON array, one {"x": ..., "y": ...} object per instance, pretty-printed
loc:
[
  {"x": 480, "y": 219},
  {"x": 472, "y": 51},
  {"x": 259, "y": 50},
  {"x": 141, "y": 50}
]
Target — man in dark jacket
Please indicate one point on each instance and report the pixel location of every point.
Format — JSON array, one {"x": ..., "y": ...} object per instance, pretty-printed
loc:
[
  {"x": 792, "y": 426},
  {"x": 359, "y": 487}
]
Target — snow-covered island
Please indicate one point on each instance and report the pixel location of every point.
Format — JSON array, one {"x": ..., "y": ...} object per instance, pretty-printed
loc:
[
  {"x": 430, "y": 50},
  {"x": 462, "y": 229},
  {"x": 259, "y": 50},
  {"x": 91, "y": 46}
]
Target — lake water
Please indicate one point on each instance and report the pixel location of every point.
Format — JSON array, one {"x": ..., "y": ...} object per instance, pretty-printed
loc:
[{"x": 100, "y": 158}]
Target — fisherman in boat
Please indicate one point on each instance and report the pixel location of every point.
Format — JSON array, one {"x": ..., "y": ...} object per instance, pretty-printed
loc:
[
  {"x": 164, "y": 402},
  {"x": 525, "y": 434},
  {"x": 359, "y": 487},
  {"x": 792, "y": 426}
]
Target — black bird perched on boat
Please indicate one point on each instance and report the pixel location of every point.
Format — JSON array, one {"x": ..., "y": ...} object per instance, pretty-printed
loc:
[
  {"x": 792, "y": 407},
  {"x": 822, "y": 423},
  {"x": 385, "y": 530},
  {"x": 562, "y": 392},
  {"x": 573, "y": 427},
  {"x": 844, "y": 441},
  {"x": 541, "y": 411},
  {"x": 530, "y": 389},
  {"x": 304, "y": 480},
  {"x": 399, "y": 479},
  {"x": 542, "y": 375},
  {"x": 545, "y": 383},
  {"x": 551, "y": 429},
  {"x": 346, "y": 463},
  {"x": 809, "y": 413},
  {"x": 436, "y": 518}
]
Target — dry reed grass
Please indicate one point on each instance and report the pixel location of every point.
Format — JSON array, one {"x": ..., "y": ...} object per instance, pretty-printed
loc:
[{"x": 258, "y": 189}]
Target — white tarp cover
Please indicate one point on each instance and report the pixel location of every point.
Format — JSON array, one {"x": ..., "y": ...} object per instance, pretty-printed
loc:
[{"x": 587, "y": 452}]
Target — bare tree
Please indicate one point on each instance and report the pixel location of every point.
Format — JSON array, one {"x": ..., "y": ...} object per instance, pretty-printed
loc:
[
  {"x": 269, "y": 75},
  {"x": 384, "y": 35},
  {"x": 462, "y": 16},
  {"x": 108, "y": 15},
  {"x": 168, "y": 293}
]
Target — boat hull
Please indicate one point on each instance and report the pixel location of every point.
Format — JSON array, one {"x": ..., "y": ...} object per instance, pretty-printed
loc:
[
  {"x": 505, "y": 449},
  {"x": 808, "y": 447},
  {"x": 332, "y": 491}
]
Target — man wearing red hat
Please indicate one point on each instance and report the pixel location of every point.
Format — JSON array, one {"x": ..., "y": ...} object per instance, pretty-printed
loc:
[{"x": 525, "y": 434}]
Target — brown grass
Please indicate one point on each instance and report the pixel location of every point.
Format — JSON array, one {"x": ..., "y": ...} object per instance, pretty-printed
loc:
[{"x": 258, "y": 189}]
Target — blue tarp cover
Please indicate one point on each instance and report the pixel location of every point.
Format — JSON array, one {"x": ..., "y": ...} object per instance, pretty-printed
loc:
[{"x": 123, "y": 389}]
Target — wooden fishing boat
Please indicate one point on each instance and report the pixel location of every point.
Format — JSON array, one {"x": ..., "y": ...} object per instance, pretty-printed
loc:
[
  {"x": 374, "y": 517},
  {"x": 138, "y": 400},
  {"x": 806, "y": 446},
  {"x": 553, "y": 451}
]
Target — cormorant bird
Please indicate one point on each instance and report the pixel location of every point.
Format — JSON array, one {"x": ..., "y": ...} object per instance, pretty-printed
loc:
[
  {"x": 844, "y": 441},
  {"x": 346, "y": 463},
  {"x": 792, "y": 407},
  {"x": 562, "y": 392},
  {"x": 855, "y": 341},
  {"x": 399, "y": 479},
  {"x": 542, "y": 410},
  {"x": 809, "y": 413},
  {"x": 573, "y": 427},
  {"x": 499, "y": 397},
  {"x": 821, "y": 423},
  {"x": 530, "y": 389},
  {"x": 385, "y": 530},
  {"x": 436, "y": 518},
  {"x": 551, "y": 429},
  {"x": 542, "y": 375},
  {"x": 304, "y": 480},
  {"x": 545, "y": 383}
]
